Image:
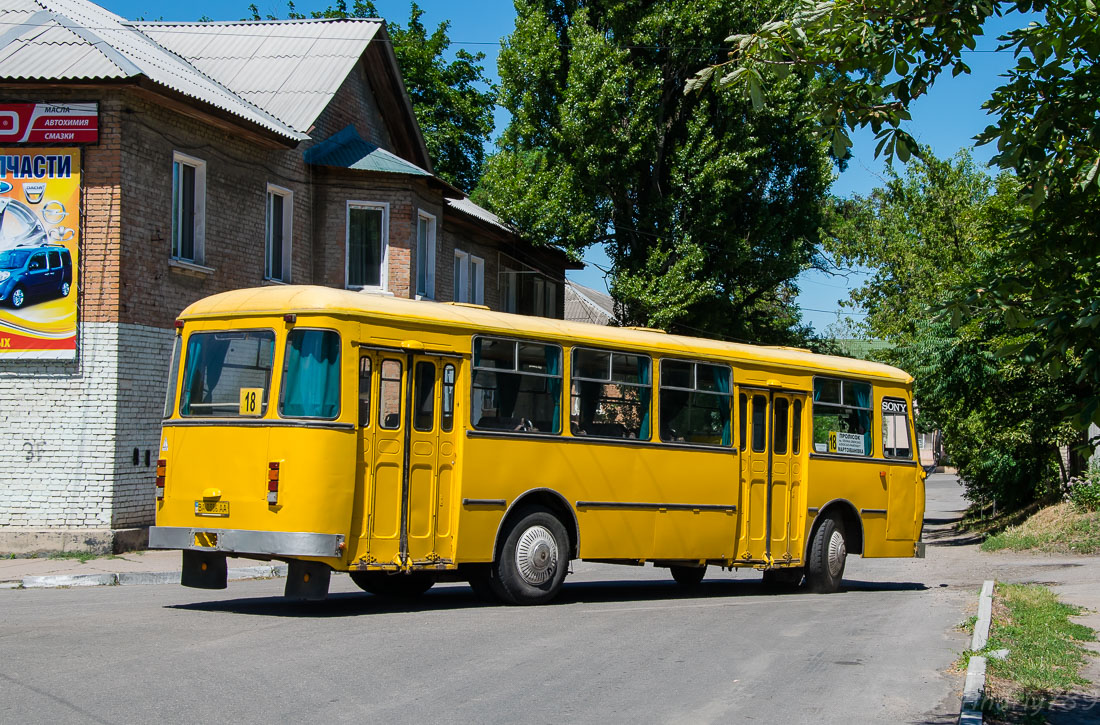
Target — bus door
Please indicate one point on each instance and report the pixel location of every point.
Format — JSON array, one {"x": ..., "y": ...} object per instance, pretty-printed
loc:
[
  {"x": 771, "y": 475},
  {"x": 785, "y": 530},
  {"x": 430, "y": 461},
  {"x": 382, "y": 445},
  {"x": 409, "y": 451},
  {"x": 753, "y": 443}
]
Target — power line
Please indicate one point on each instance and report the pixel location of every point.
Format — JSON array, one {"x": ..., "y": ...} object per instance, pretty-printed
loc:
[{"x": 192, "y": 29}]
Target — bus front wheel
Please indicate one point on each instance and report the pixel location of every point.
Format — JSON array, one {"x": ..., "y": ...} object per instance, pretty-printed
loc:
[
  {"x": 533, "y": 561},
  {"x": 397, "y": 586},
  {"x": 825, "y": 569}
]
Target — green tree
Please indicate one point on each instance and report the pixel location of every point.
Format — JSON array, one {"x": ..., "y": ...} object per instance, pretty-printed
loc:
[
  {"x": 454, "y": 113},
  {"x": 877, "y": 56},
  {"x": 707, "y": 212},
  {"x": 923, "y": 235}
]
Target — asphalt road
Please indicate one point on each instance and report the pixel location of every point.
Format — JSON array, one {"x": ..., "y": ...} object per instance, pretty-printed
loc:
[{"x": 621, "y": 645}]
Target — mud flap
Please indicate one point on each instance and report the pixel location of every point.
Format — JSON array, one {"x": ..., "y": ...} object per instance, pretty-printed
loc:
[
  {"x": 307, "y": 580},
  {"x": 203, "y": 570}
]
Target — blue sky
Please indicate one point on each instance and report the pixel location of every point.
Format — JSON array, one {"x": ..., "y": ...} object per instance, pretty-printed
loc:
[{"x": 946, "y": 119}]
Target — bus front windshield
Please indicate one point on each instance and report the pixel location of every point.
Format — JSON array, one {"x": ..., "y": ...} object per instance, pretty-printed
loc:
[{"x": 220, "y": 367}]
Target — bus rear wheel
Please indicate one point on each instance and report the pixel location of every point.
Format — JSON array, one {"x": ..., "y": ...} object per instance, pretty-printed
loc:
[
  {"x": 825, "y": 568},
  {"x": 396, "y": 586},
  {"x": 533, "y": 560},
  {"x": 688, "y": 577}
]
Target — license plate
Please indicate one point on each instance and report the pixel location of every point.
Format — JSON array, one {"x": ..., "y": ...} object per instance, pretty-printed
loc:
[{"x": 211, "y": 508}]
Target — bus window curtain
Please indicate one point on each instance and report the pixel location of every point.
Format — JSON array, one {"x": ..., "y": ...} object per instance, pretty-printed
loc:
[
  {"x": 645, "y": 394},
  {"x": 721, "y": 378},
  {"x": 553, "y": 385},
  {"x": 863, "y": 400},
  {"x": 205, "y": 360},
  {"x": 312, "y": 381}
]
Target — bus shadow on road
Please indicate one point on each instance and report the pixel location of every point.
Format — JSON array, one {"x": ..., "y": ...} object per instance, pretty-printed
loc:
[{"x": 458, "y": 597}]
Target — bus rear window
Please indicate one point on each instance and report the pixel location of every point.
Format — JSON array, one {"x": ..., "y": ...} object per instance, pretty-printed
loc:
[
  {"x": 311, "y": 375},
  {"x": 219, "y": 365}
]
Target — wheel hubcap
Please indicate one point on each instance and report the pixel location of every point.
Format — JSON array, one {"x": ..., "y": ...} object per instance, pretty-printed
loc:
[
  {"x": 537, "y": 555},
  {"x": 17, "y": 297},
  {"x": 837, "y": 552}
]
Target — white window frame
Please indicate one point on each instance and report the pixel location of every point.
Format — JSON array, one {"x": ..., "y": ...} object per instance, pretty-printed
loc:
[
  {"x": 469, "y": 282},
  {"x": 478, "y": 274},
  {"x": 462, "y": 276},
  {"x": 429, "y": 261},
  {"x": 283, "y": 274},
  {"x": 384, "y": 264},
  {"x": 199, "y": 210}
]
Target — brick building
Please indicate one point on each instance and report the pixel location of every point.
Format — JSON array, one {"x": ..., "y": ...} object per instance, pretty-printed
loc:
[{"x": 227, "y": 155}]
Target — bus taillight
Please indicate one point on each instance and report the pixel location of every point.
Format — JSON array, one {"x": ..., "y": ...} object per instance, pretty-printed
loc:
[
  {"x": 162, "y": 474},
  {"x": 273, "y": 483}
]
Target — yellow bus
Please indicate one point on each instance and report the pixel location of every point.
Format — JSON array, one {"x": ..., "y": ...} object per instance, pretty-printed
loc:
[{"x": 409, "y": 442}]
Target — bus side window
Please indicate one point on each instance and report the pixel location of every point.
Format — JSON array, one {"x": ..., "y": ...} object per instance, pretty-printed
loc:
[
  {"x": 389, "y": 394},
  {"x": 447, "y": 414},
  {"x": 779, "y": 425},
  {"x": 896, "y": 440},
  {"x": 743, "y": 417},
  {"x": 364, "y": 391},
  {"x": 796, "y": 428},
  {"x": 424, "y": 400},
  {"x": 759, "y": 423}
]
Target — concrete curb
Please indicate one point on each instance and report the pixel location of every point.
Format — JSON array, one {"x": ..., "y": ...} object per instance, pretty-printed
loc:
[
  {"x": 134, "y": 578},
  {"x": 974, "y": 688}
]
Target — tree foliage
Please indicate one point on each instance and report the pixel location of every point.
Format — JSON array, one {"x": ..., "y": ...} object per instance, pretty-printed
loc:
[
  {"x": 454, "y": 113},
  {"x": 707, "y": 211},
  {"x": 877, "y": 57},
  {"x": 924, "y": 234}
]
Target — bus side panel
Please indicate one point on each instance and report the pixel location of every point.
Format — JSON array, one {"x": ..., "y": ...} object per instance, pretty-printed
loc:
[
  {"x": 608, "y": 478},
  {"x": 695, "y": 535}
]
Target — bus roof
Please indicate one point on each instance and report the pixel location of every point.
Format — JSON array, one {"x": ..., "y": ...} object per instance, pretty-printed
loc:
[{"x": 306, "y": 299}]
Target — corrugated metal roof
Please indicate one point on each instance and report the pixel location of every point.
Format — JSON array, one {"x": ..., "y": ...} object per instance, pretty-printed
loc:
[
  {"x": 76, "y": 39},
  {"x": 35, "y": 44},
  {"x": 290, "y": 68},
  {"x": 584, "y": 304},
  {"x": 347, "y": 149},
  {"x": 469, "y": 208}
]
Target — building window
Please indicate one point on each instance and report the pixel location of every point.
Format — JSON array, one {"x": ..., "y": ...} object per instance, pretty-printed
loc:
[
  {"x": 367, "y": 244},
  {"x": 469, "y": 278},
  {"x": 527, "y": 291},
  {"x": 280, "y": 224},
  {"x": 425, "y": 256},
  {"x": 188, "y": 207}
]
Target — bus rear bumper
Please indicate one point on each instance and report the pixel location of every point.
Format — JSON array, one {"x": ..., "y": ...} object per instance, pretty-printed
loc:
[{"x": 239, "y": 541}]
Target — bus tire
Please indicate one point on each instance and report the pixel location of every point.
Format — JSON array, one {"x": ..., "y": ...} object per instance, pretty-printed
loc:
[
  {"x": 394, "y": 586},
  {"x": 825, "y": 568},
  {"x": 533, "y": 559},
  {"x": 688, "y": 577}
]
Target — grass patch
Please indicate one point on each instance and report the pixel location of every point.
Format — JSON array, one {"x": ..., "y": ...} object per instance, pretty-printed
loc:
[
  {"x": 1059, "y": 529},
  {"x": 82, "y": 556},
  {"x": 1045, "y": 655}
]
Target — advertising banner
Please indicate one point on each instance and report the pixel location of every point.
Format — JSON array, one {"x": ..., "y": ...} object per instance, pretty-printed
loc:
[
  {"x": 49, "y": 123},
  {"x": 39, "y": 248}
]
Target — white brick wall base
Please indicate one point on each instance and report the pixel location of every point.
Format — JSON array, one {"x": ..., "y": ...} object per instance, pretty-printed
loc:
[{"x": 68, "y": 431}]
